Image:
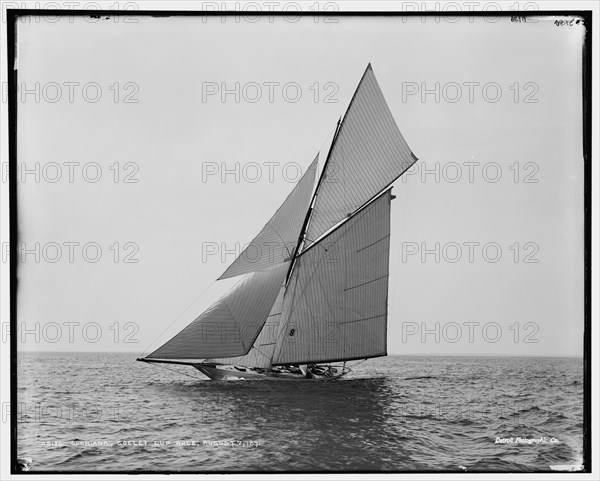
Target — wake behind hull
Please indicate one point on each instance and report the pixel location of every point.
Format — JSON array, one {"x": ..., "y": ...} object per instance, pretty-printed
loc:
[{"x": 230, "y": 373}]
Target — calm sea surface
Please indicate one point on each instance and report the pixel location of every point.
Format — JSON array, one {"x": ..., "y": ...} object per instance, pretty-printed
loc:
[{"x": 106, "y": 412}]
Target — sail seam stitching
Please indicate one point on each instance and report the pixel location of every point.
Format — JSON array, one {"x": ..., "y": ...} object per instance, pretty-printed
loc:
[
  {"x": 365, "y": 319},
  {"x": 365, "y": 283},
  {"x": 370, "y": 245}
]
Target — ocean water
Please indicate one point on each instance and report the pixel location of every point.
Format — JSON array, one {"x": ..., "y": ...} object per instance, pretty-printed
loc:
[{"x": 106, "y": 412}]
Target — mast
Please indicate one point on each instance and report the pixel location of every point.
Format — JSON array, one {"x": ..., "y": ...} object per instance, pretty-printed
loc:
[
  {"x": 312, "y": 201},
  {"x": 335, "y": 305},
  {"x": 350, "y": 295},
  {"x": 338, "y": 127}
]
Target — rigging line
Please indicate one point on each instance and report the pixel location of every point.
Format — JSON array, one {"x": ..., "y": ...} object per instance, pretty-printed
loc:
[
  {"x": 402, "y": 225},
  {"x": 257, "y": 350},
  {"x": 178, "y": 372},
  {"x": 260, "y": 352},
  {"x": 359, "y": 363}
]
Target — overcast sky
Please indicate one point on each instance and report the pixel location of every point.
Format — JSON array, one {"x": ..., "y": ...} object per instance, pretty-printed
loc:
[{"x": 507, "y": 118}]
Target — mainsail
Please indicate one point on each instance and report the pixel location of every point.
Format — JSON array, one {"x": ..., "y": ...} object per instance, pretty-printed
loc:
[
  {"x": 317, "y": 292},
  {"x": 275, "y": 243},
  {"x": 336, "y": 304},
  {"x": 368, "y": 154}
]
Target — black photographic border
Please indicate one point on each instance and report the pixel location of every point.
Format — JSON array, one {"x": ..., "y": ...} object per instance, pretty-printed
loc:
[{"x": 12, "y": 17}]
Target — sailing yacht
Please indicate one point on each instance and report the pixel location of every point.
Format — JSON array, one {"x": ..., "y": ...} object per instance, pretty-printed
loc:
[{"x": 313, "y": 289}]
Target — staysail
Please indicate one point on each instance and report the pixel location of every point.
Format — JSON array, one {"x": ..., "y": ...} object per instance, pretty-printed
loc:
[
  {"x": 368, "y": 154},
  {"x": 276, "y": 241},
  {"x": 230, "y": 326},
  {"x": 335, "y": 307}
]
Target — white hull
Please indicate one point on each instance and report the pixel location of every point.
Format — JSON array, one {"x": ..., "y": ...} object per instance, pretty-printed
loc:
[{"x": 233, "y": 373}]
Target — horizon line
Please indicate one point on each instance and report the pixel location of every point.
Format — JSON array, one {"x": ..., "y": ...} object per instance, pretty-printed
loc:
[{"x": 137, "y": 353}]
